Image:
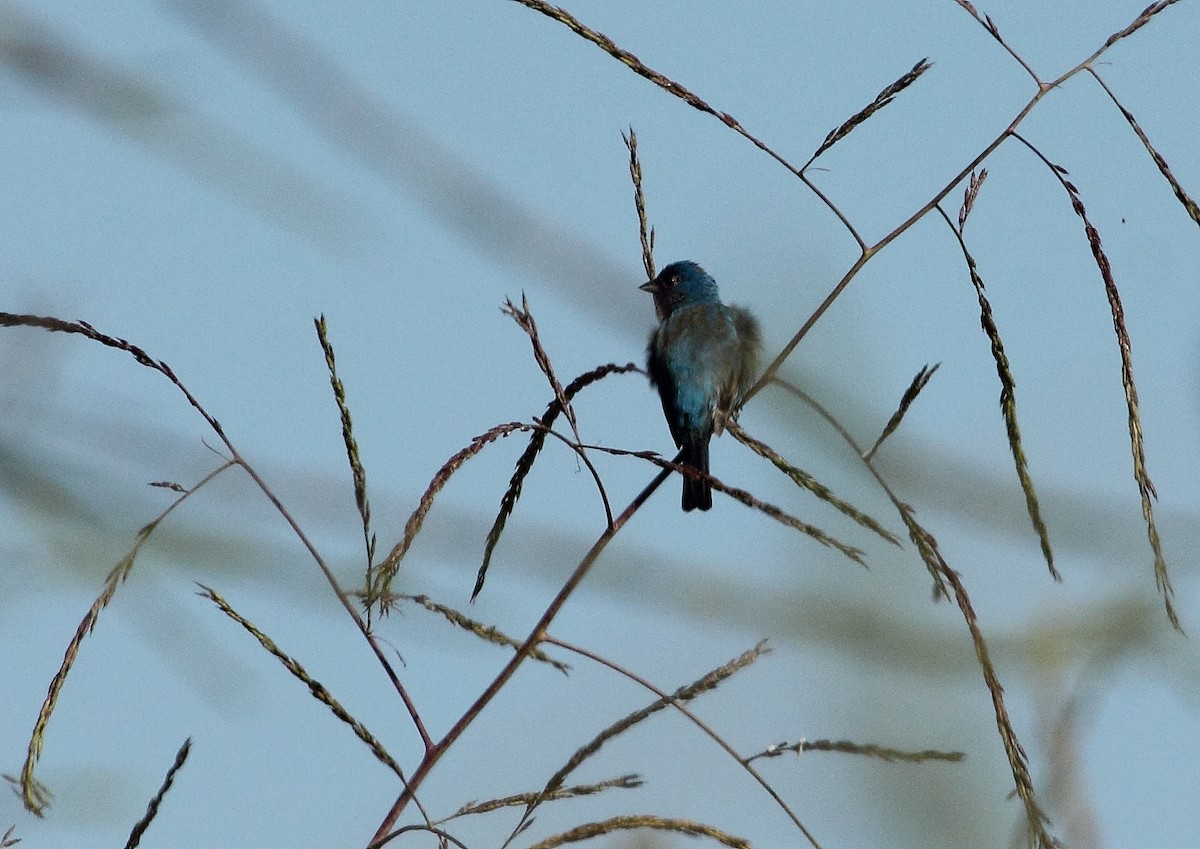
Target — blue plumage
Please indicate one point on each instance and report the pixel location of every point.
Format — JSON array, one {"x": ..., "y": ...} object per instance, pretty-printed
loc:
[{"x": 702, "y": 357}]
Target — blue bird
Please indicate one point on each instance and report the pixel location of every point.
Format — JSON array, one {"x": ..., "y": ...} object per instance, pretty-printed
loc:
[{"x": 702, "y": 357}]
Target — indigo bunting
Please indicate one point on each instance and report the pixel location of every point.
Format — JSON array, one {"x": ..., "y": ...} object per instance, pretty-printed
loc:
[{"x": 702, "y": 357}]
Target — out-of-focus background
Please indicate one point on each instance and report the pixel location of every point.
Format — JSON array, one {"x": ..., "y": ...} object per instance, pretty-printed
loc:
[{"x": 205, "y": 178}]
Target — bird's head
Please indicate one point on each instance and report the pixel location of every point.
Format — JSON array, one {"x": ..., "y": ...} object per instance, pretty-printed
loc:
[{"x": 681, "y": 284}]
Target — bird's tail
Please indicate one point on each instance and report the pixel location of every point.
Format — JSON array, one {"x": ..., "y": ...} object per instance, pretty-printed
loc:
[{"x": 697, "y": 494}]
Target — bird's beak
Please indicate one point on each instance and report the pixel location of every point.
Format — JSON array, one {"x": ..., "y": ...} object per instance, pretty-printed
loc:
[{"x": 650, "y": 286}]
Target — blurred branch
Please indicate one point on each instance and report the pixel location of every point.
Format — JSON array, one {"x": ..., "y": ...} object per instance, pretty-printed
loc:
[
  {"x": 127, "y": 104},
  {"x": 403, "y": 155}
]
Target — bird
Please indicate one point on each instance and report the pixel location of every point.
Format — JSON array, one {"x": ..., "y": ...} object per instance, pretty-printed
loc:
[{"x": 702, "y": 358}]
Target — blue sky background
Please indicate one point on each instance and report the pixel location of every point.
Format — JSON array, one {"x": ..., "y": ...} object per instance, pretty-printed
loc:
[{"x": 204, "y": 179}]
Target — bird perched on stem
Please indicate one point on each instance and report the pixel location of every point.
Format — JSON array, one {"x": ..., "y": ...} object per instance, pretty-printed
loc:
[{"x": 702, "y": 357}]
